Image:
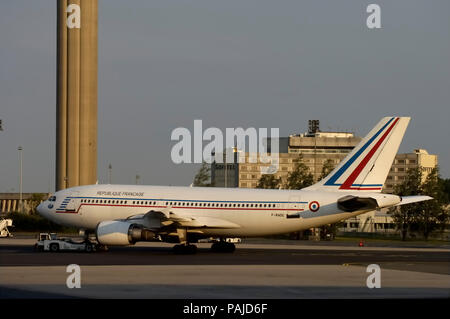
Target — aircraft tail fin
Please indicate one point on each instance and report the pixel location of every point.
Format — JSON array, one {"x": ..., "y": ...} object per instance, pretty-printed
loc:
[{"x": 367, "y": 166}]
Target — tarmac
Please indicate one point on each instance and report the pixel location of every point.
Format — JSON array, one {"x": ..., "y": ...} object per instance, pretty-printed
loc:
[{"x": 267, "y": 269}]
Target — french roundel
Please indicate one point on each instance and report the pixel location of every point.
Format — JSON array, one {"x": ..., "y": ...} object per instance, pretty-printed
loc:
[{"x": 314, "y": 206}]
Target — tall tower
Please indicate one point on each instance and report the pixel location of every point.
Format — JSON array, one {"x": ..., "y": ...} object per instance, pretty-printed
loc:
[{"x": 76, "y": 104}]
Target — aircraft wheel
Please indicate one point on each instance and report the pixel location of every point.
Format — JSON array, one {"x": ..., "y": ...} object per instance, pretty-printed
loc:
[
  {"x": 89, "y": 248},
  {"x": 231, "y": 247}
]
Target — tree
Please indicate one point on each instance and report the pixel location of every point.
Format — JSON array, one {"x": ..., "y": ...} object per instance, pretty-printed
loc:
[
  {"x": 35, "y": 200},
  {"x": 446, "y": 185},
  {"x": 269, "y": 181},
  {"x": 403, "y": 216},
  {"x": 203, "y": 177},
  {"x": 432, "y": 214},
  {"x": 426, "y": 216},
  {"x": 300, "y": 177},
  {"x": 327, "y": 167}
]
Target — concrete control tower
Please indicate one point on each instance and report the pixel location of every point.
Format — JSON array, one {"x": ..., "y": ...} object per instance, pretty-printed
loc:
[{"x": 76, "y": 105}]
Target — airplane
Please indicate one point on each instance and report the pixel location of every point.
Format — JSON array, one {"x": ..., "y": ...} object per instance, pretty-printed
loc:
[{"x": 121, "y": 215}]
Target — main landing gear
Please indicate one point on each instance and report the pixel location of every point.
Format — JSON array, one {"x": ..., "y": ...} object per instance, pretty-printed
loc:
[
  {"x": 223, "y": 247},
  {"x": 184, "y": 248}
]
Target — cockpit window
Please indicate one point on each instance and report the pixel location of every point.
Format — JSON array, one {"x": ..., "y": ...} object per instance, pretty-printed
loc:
[{"x": 52, "y": 199}]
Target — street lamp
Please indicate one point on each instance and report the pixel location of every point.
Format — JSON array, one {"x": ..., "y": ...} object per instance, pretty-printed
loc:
[
  {"x": 20, "y": 149},
  {"x": 109, "y": 173}
]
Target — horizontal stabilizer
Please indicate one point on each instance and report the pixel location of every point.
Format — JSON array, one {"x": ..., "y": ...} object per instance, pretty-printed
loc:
[{"x": 413, "y": 199}]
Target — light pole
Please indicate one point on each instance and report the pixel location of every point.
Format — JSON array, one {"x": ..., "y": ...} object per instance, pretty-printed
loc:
[
  {"x": 137, "y": 179},
  {"x": 109, "y": 173},
  {"x": 226, "y": 171},
  {"x": 20, "y": 149}
]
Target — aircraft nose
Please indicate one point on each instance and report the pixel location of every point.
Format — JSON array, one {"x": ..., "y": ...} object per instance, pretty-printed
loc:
[{"x": 42, "y": 209}]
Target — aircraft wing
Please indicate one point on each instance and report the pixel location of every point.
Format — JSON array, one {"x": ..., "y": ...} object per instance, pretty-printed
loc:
[{"x": 166, "y": 217}]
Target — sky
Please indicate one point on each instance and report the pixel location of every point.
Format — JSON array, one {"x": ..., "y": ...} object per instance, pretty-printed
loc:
[{"x": 235, "y": 63}]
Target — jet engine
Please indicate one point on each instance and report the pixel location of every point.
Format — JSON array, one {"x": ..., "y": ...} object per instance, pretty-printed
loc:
[{"x": 118, "y": 233}]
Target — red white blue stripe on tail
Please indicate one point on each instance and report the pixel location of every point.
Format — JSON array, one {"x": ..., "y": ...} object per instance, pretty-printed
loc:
[{"x": 367, "y": 166}]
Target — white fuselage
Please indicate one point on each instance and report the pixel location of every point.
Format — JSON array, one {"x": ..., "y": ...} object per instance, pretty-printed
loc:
[{"x": 258, "y": 212}]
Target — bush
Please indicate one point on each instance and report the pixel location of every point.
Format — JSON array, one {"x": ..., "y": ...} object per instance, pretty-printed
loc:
[{"x": 25, "y": 222}]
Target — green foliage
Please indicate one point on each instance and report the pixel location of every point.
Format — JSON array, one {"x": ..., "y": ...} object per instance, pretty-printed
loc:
[
  {"x": 35, "y": 200},
  {"x": 203, "y": 177},
  {"x": 25, "y": 222},
  {"x": 446, "y": 186},
  {"x": 269, "y": 181},
  {"x": 327, "y": 167},
  {"x": 403, "y": 216},
  {"x": 426, "y": 216},
  {"x": 432, "y": 214},
  {"x": 300, "y": 177},
  {"x": 330, "y": 229}
]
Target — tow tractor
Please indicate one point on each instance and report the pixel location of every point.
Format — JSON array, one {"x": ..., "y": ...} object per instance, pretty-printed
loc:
[{"x": 51, "y": 242}]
